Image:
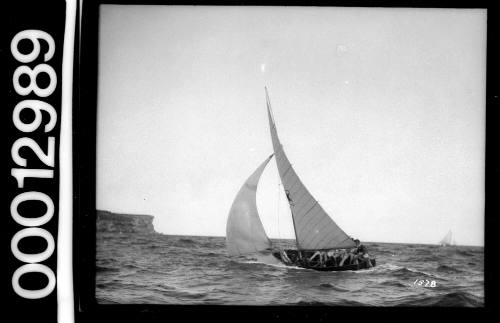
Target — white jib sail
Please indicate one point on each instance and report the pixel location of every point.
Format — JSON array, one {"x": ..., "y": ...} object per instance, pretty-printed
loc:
[
  {"x": 244, "y": 231},
  {"x": 314, "y": 229},
  {"x": 447, "y": 239}
]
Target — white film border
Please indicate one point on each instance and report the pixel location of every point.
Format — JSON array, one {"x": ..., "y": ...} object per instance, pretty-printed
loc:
[{"x": 65, "y": 294}]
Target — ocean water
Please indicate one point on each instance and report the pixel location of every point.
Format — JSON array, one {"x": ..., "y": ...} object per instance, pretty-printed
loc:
[{"x": 164, "y": 269}]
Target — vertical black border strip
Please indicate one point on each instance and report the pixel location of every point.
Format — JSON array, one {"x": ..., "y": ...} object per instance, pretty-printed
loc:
[
  {"x": 492, "y": 163},
  {"x": 76, "y": 106},
  {"x": 85, "y": 117}
]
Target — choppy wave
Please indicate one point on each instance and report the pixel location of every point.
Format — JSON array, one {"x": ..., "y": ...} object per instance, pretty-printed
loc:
[
  {"x": 197, "y": 270},
  {"x": 186, "y": 241},
  {"x": 333, "y": 287},
  {"x": 455, "y": 299},
  {"x": 410, "y": 273},
  {"x": 394, "y": 283},
  {"x": 464, "y": 253},
  {"x": 398, "y": 271},
  {"x": 448, "y": 269},
  {"x": 106, "y": 269}
]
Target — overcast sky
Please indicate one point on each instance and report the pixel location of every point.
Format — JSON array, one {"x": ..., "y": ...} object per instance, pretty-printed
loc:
[{"x": 380, "y": 111}]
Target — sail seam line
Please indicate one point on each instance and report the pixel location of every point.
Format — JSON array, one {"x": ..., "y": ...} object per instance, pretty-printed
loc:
[
  {"x": 294, "y": 183},
  {"x": 280, "y": 146},
  {"x": 309, "y": 219},
  {"x": 332, "y": 239},
  {"x": 279, "y": 157},
  {"x": 327, "y": 237},
  {"x": 289, "y": 167},
  {"x": 305, "y": 204},
  {"x": 308, "y": 194},
  {"x": 300, "y": 197}
]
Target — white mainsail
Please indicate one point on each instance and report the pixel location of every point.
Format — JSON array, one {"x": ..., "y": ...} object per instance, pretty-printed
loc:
[
  {"x": 244, "y": 231},
  {"x": 446, "y": 241},
  {"x": 314, "y": 229}
]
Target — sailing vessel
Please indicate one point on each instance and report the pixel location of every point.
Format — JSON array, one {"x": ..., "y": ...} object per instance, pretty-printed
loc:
[
  {"x": 314, "y": 229},
  {"x": 446, "y": 241}
]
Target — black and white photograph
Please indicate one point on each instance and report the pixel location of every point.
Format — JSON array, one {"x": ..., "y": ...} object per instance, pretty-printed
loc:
[{"x": 281, "y": 155}]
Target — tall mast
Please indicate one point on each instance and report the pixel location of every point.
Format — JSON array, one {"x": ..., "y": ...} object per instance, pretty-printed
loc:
[{"x": 273, "y": 124}]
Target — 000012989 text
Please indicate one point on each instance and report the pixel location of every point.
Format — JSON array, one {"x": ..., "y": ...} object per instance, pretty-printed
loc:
[{"x": 32, "y": 261}]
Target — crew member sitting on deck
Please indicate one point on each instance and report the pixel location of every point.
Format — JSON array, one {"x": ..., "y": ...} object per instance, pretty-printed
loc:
[
  {"x": 345, "y": 255},
  {"x": 284, "y": 256},
  {"x": 361, "y": 254},
  {"x": 321, "y": 256},
  {"x": 351, "y": 256},
  {"x": 337, "y": 257},
  {"x": 330, "y": 258}
]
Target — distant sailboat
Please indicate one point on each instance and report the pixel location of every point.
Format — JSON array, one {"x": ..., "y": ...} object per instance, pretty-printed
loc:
[
  {"x": 314, "y": 228},
  {"x": 446, "y": 241}
]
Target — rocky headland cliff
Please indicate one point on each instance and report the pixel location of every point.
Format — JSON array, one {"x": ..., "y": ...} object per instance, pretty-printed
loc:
[{"x": 124, "y": 223}]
